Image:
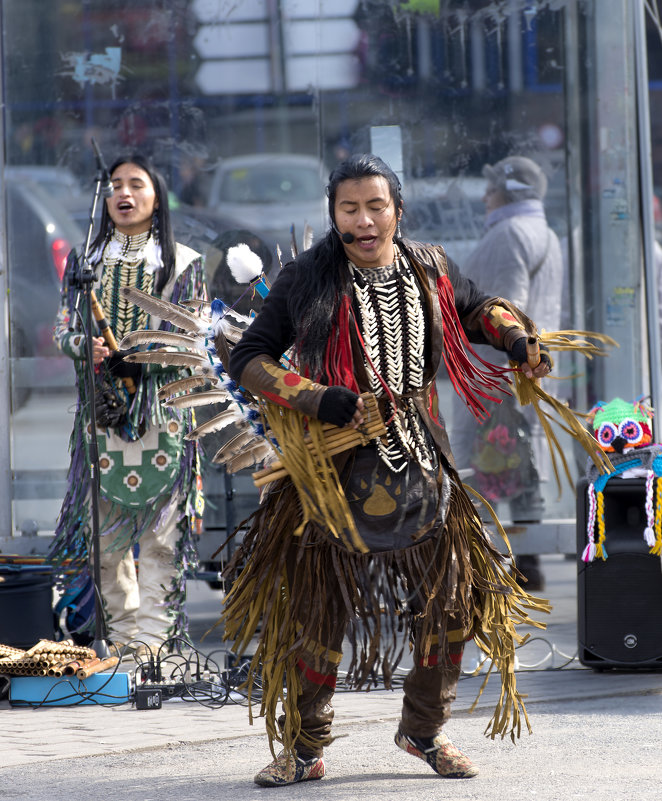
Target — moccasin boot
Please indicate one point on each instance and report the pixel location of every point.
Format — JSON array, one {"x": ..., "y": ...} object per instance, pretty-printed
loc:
[
  {"x": 290, "y": 769},
  {"x": 440, "y": 754}
]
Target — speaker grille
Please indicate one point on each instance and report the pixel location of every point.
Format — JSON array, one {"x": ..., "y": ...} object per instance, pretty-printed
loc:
[
  {"x": 619, "y": 599},
  {"x": 623, "y": 609}
]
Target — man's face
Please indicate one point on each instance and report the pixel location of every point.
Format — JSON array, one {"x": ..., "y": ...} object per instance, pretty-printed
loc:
[
  {"x": 133, "y": 201},
  {"x": 494, "y": 197}
]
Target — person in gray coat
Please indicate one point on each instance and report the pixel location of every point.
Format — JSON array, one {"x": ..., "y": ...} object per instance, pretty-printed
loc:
[{"x": 518, "y": 257}]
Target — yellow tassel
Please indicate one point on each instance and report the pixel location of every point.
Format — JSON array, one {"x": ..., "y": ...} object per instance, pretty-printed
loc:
[
  {"x": 496, "y": 635},
  {"x": 600, "y": 550},
  {"x": 656, "y": 550},
  {"x": 313, "y": 473},
  {"x": 528, "y": 392},
  {"x": 578, "y": 341}
]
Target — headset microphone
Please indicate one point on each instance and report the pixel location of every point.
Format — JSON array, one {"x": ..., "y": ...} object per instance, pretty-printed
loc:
[{"x": 347, "y": 238}]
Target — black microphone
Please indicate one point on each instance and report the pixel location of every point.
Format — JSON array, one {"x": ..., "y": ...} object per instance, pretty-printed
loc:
[
  {"x": 104, "y": 176},
  {"x": 347, "y": 238}
]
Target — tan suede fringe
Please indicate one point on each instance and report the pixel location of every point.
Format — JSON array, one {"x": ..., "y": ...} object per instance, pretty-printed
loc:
[
  {"x": 312, "y": 472},
  {"x": 529, "y": 392},
  {"x": 291, "y": 585},
  {"x": 497, "y": 635}
]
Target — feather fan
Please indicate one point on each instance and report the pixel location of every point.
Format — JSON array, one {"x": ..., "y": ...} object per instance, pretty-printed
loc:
[
  {"x": 205, "y": 348},
  {"x": 169, "y": 358},
  {"x": 234, "y": 447},
  {"x": 151, "y": 337},
  {"x": 197, "y": 399},
  {"x": 249, "y": 457},
  {"x": 182, "y": 385},
  {"x": 182, "y": 318},
  {"x": 226, "y": 418}
]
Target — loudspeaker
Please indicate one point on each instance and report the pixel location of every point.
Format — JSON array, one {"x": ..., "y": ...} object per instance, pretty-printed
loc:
[
  {"x": 26, "y": 607},
  {"x": 619, "y": 600}
]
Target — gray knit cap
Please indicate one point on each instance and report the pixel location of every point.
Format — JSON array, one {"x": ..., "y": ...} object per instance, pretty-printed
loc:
[{"x": 520, "y": 177}]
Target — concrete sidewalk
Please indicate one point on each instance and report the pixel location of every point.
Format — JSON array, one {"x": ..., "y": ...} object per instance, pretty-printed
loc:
[
  {"x": 548, "y": 674},
  {"x": 31, "y": 735}
]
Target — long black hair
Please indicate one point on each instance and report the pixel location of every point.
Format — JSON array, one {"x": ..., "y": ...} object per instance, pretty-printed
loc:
[
  {"x": 163, "y": 225},
  {"x": 322, "y": 277}
]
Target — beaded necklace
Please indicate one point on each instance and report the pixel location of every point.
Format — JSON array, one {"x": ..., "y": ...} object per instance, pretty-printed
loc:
[
  {"x": 393, "y": 328},
  {"x": 124, "y": 264}
]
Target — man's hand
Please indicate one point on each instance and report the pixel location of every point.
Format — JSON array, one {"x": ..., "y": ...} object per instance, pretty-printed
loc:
[
  {"x": 121, "y": 369},
  {"x": 340, "y": 407},
  {"x": 518, "y": 354},
  {"x": 100, "y": 350}
]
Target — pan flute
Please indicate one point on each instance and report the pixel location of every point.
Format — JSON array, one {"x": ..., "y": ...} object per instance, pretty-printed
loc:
[{"x": 336, "y": 439}]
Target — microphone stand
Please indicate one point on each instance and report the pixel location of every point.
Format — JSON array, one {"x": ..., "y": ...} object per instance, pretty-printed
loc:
[{"x": 83, "y": 282}]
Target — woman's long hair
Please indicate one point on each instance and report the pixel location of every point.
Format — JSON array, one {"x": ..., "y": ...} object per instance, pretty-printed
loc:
[
  {"x": 164, "y": 230},
  {"x": 322, "y": 275}
]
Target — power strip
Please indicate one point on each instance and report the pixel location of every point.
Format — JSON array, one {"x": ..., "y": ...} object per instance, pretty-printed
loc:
[{"x": 168, "y": 690}]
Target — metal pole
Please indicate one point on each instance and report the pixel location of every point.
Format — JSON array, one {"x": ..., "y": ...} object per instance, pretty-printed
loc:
[
  {"x": 647, "y": 213},
  {"x": 85, "y": 279},
  {"x": 5, "y": 438}
]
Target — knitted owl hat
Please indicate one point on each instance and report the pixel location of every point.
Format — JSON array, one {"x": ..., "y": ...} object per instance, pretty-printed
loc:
[
  {"x": 623, "y": 429},
  {"x": 621, "y": 424}
]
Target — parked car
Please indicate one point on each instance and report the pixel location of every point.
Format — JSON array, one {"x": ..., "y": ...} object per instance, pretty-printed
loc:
[
  {"x": 267, "y": 193},
  {"x": 59, "y": 182}
]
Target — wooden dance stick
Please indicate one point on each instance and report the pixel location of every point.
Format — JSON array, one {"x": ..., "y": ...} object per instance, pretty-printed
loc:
[
  {"x": 532, "y": 351},
  {"x": 107, "y": 334}
]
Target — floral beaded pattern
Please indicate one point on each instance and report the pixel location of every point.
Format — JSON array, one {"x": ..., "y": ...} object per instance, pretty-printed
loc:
[
  {"x": 443, "y": 757},
  {"x": 289, "y": 769}
]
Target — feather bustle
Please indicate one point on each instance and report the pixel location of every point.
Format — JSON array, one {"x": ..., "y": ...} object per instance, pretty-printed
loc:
[
  {"x": 233, "y": 447},
  {"x": 150, "y": 337},
  {"x": 182, "y": 385},
  {"x": 182, "y": 318},
  {"x": 220, "y": 421},
  {"x": 169, "y": 358},
  {"x": 193, "y": 399}
]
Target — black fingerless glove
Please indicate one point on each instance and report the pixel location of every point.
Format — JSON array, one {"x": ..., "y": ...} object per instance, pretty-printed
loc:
[
  {"x": 518, "y": 353},
  {"x": 120, "y": 369},
  {"x": 337, "y": 406}
]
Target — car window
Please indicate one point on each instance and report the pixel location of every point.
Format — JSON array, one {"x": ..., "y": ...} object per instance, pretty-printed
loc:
[{"x": 270, "y": 184}]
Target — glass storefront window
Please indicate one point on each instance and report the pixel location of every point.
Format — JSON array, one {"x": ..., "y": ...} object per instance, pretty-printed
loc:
[{"x": 247, "y": 106}]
